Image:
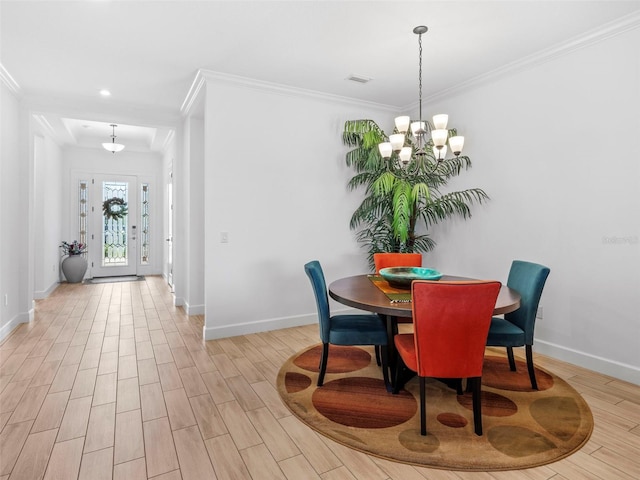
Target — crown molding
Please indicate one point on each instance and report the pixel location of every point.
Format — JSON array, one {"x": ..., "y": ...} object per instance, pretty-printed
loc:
[
  {"x": 168, "y": 139},
  {"x": 193, "y": 93},
  {"x": 600, "y": 34},
  {"x": 9, "y": 81},
  {"x": 281, "y": 89},
  {"x": 47, "y": 128}
]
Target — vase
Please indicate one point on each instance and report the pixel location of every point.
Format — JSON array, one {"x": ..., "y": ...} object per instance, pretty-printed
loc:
[{"x": 74, "y": 267}]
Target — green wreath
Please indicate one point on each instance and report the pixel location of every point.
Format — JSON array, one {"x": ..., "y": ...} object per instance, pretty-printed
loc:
[{"x": 114, "y": 208}]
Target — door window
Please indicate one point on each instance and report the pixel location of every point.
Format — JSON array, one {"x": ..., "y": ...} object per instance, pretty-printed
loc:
[{"x": 115, "y": 216}]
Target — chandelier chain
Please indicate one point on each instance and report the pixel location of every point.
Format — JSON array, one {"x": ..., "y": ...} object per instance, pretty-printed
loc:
[{"x": 420, "y": 77}]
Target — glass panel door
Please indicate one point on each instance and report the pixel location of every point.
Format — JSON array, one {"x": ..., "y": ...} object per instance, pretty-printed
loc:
[{"x": 115, "y": 244}]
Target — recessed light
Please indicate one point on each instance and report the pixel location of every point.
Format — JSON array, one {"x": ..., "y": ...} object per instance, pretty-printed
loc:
[{"x": 105, "y": 93}]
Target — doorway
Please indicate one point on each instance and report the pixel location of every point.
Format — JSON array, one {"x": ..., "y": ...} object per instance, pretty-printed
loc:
[{"x": 169, "y": 239}]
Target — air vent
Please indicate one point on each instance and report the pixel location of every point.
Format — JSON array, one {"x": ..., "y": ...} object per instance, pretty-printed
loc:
[{"x": 359, "y": 78}]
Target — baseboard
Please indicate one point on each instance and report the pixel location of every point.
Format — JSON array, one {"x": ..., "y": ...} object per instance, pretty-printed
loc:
[
  {"x": 224, "y": 331},
  {"x": 39, "y": 295},
  {"x": 622, "y": 371},
  {"x": 257, "y": 326},
  {"x": 6, "y": 330},
  {"x": 193, "y": 309}
]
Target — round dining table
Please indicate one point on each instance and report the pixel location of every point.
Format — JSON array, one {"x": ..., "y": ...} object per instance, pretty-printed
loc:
[{"x": 360, "y": 292}]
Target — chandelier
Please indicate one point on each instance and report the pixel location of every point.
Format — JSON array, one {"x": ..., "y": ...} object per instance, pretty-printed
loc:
[
  {"x": 113, "y": 147},
  {"x": 415, "y": 146}
]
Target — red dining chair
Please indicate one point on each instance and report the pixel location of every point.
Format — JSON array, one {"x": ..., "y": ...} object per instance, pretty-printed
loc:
[
  {"x": 394, "y": 259},
  {"x": 451, "y": 321}
]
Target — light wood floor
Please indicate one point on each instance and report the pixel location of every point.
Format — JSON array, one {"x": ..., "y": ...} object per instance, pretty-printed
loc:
[{"x": 112, "y": 381}]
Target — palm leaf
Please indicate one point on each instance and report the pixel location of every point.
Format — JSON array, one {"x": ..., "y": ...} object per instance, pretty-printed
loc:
[{"x": 402, "y": 210}]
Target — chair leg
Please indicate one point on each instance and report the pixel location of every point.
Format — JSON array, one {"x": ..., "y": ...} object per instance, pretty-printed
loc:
[
  {"x": 323, "y": 363},
  {"x": 459, "y": 386},
  {"x": 512, "y": 361},
  {"x": 385, "y": 367},
  {"x": 476, "y": 393},
  {"x": 423, "y": 407},
  {"x": 532, "y": 371},
  {"x": 392, "y": 330},
  {"x": 397, "y": 381},
  {"x": 377, "y": 348}
]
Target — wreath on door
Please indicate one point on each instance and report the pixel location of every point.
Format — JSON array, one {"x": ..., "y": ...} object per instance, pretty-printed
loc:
[{"x": 114, "y": 208}]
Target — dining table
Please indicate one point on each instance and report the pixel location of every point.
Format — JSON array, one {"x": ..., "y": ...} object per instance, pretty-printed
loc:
[
  {"x": 365, "y": 292},
  {"x": 359, "y": 291}
]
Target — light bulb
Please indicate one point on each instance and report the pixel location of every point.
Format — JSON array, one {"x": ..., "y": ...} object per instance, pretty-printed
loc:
[
  {"x": 439, "y": 137},
  {"x": 418, "y": 128},
  {"x": 385, "y": 149},
  {"x": 405, "y": 154},
  {"x": 397, "y": 141},
  {"x": 440, "y": 121},
  {"x": 402, "y": 123},
  {"x": 456, "y": 144},
  {"x": 440, "y": 153}
]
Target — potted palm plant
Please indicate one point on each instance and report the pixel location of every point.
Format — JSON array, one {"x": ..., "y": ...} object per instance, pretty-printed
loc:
[{"x": 402, "y": 200}]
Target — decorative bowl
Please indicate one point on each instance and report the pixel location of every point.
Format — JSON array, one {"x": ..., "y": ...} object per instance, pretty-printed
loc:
[{"x": 401, "y": 277}]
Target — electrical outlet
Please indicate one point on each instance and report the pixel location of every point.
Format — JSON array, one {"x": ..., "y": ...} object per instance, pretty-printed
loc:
[{"x": 539, "y": 312}]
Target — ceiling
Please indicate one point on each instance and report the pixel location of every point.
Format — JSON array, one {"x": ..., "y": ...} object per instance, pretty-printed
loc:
[{"x": 147, "y": 53}]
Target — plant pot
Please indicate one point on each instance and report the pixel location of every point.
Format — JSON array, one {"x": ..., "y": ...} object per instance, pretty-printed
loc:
[{"x": 74, "y": 267}]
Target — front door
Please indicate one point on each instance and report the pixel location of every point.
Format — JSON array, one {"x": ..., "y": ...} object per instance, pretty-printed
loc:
[{"x": 115, "y": 213}]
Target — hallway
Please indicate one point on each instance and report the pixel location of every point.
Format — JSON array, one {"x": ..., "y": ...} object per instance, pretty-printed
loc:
[{"x": 112, "y": 381}]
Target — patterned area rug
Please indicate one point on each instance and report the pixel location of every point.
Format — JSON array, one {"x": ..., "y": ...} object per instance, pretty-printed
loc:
[{"x": 523, "y": 428}]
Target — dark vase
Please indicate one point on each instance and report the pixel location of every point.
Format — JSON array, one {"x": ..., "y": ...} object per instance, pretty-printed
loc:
[{"x": 74, "y": 267}]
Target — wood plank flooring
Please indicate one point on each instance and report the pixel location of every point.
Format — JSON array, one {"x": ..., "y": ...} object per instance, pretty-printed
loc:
[{"x": 110, "y": 381}]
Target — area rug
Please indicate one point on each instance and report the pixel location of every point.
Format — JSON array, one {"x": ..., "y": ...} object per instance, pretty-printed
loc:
[
  {"x": 523, "y": 428},
  {"x": 123, "y": 278}
]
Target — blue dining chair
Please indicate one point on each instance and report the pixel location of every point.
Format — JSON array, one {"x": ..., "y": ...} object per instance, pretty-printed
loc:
[
  {"x": 516, "y": 328},
  {"x": 347, "y": 329}
]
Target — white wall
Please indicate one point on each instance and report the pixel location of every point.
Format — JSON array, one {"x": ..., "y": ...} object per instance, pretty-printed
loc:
[
  {"x": 556, "y": 148},
  {"x": 15, "y": 245},
  {"x": 188, "y": 246},
  {"x": 47, "y": 210},
  {"x": 276, "y": 184},
  {"x": 196, "y": 252}
]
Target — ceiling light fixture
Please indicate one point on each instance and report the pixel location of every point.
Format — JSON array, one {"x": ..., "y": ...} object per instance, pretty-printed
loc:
[
  {"x": 105, "y": 93},
  {"x": 417, "y": 146},
  {"x": 113, "y": 147}
]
